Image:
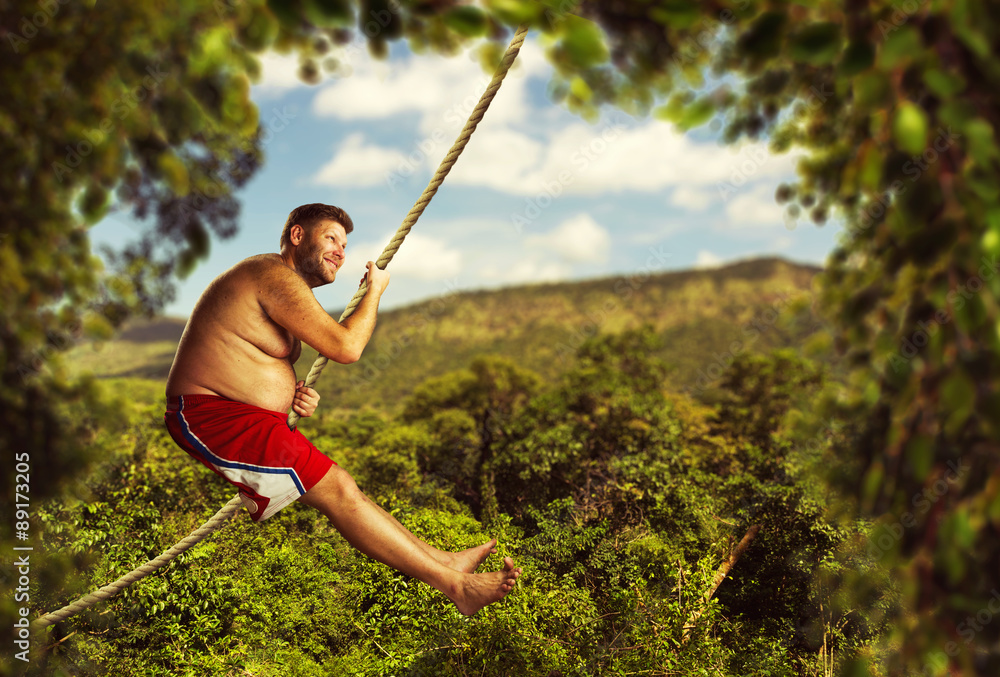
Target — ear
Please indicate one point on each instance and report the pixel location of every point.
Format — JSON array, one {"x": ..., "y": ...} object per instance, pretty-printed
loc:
[{"x": 295, "y": 234}]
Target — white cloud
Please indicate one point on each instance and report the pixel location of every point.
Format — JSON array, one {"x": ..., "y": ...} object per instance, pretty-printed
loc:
[
  {"x": 754, "y": 206},
  {"x": 357, "y": 163},
  {"x": 441, "y": 91},
  {"x": 532, "y": 269},
  {"x": 500, "y": 160},
  {"x": 279, "y": 73},
  {"x": 707, "y": 259},
  {"x": 656, "y": 232},
  {"x": 528, "y": 150},
  {"x": 691, "y": 197},
  {"x": 579, "y": 239},
  {"x": 420, "y": 257},
  {"x": 613, "y": 156},
  {"x": 782, "y": 242},
  {"x": 493, "y": 254}
]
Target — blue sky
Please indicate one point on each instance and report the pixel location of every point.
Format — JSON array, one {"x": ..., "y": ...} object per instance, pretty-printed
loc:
[{"x": 539, "y": 194}]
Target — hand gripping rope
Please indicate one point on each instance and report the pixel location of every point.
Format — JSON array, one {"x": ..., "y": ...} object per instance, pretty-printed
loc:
[{"x": 227, "y": 511}]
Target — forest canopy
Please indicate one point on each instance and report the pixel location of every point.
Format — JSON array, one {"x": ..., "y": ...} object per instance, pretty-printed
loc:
[{"x": 895, "y": 105}]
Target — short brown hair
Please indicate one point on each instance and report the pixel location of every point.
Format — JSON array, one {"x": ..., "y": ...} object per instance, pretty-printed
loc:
[{"x": 309, "y": 215}]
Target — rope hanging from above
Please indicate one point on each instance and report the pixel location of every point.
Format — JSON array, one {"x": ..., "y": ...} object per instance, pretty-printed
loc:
[
  {"x": 425, "y": 199},
  {"x": 227, "y": 511}
]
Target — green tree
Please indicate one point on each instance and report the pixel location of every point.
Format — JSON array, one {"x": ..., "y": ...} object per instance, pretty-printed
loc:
[
  {"x": 609, "y": 405},
  {"x": 757, "y": 392},
  {"x": 471, "y": 411}
]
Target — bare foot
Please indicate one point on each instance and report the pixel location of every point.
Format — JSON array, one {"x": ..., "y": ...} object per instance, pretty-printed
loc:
[
  {"x": 474, "y": 591},
  {"x": 467, "y": 561}
]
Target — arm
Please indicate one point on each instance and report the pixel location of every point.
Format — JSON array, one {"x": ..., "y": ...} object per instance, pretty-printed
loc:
[{"x": 289, "y": 301}]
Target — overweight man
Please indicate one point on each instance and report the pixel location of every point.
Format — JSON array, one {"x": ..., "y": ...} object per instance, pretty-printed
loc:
[{"x": 233, "y": 380}]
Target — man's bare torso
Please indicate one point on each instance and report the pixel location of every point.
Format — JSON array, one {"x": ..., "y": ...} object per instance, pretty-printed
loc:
[{"x": 230, "y": 347}]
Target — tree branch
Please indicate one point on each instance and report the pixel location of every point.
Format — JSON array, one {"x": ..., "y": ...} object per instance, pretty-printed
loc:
[{"x": 720, "y": 576}]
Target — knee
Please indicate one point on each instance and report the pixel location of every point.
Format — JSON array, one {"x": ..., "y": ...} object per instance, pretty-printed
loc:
[
  {"x": 343, "y": 486},
  {"x": 336, "y": 489}
]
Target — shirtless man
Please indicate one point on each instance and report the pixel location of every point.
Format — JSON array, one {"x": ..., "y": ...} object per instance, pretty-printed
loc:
[{"x": 232, "y": 381}]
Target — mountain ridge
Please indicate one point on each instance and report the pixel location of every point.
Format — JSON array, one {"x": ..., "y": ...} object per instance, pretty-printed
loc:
[{"x": 702, "y": 314}]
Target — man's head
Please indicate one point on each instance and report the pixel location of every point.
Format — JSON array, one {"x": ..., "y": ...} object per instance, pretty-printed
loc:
[
  {"x": 313, "y": 242},
  {"x": 309, "y": 215}
]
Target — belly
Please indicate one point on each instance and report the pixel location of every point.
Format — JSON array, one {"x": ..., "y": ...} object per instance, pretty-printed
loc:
[
  {"x": 243, "y": 375},
  {"x": 270, "y": 387}
]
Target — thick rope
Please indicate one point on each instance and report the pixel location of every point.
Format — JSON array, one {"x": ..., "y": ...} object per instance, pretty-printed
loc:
[
  {"x": 227, "y": 511},
  {"x": 87, "y": 601},
  {"x": 425, "y": 199}
]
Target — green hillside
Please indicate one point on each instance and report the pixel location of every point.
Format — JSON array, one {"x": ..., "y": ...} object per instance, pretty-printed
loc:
[{"x": 760, "y": 304}]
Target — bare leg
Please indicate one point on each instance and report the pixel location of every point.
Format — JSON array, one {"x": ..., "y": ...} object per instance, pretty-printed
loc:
[
  {"x": 375, "y": 533},
  {"x": 466, "y": 560}
]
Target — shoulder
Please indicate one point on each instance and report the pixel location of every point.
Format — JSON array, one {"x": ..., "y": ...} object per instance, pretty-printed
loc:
[
  {"x": 273, "y": 282},
  {"x": 262, "y": 264},
  {"x": 265, "y": 271},
  {"x": 259, "y": 279}
]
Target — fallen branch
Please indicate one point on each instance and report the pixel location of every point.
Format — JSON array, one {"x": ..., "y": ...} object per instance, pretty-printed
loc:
[{"x": 720, "y": 575}]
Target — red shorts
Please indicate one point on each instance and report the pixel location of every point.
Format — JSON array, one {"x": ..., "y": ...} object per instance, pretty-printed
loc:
[{"x": 249, "y": 446}]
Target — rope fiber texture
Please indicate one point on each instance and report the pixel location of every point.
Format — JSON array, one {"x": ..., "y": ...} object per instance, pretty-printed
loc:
[{"x": 228, "y": 510}]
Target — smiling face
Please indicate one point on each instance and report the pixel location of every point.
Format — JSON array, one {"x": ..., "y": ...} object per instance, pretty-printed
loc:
[{"x": 319, "y": 251}]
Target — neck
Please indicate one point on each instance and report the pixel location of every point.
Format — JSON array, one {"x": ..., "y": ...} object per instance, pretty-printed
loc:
[{"x": 288, "y": 258}]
